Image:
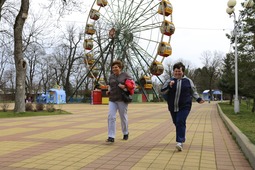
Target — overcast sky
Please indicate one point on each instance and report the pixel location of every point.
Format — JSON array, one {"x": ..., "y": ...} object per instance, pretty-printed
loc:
[{"x": 201, "y": 25}]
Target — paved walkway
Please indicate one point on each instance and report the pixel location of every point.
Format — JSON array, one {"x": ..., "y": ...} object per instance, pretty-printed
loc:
[{"x": 73, "y": 142}]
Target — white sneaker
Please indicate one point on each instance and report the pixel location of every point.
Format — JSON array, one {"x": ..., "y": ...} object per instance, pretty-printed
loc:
[{"x": 179, "y": 146}]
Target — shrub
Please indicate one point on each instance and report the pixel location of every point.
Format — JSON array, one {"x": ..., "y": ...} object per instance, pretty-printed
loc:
[
  {"x": 39, "y": 106},
  {"x": 4, "y": 107},
  {"x": 29, "y": 107},
  {"x": 50, "y": 107}
]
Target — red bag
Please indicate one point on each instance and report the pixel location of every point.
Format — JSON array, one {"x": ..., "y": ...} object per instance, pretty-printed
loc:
[{"x": 130, "y": 84}]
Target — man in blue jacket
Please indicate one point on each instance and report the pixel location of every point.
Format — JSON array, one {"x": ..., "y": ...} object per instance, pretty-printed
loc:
[{"x": 178, "y": 92}]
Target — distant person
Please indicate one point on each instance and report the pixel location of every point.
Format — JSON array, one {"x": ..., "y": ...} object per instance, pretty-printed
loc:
[
  {"x": 29, "y": 100},
  {"x": 178, "y": 92},
  {"x": 116, "y": 85}
]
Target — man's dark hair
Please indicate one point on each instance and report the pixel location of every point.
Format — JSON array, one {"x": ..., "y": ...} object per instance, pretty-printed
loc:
[{"x": 179, "y": 65}]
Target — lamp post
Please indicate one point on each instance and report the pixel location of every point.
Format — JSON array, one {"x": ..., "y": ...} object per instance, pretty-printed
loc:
[{"x": 230, "y": 11}]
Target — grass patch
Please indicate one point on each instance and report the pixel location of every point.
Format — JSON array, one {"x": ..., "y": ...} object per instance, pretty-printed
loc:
[
  {"x": 244, "y": 120},
  {"x": 10, "y": 114}
]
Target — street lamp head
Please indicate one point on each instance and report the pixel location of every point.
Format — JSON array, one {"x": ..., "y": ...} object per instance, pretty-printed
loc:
[
  {"x": 231, "y": 3},
  {"x": 230, "y": 10},
  {"x": 249, "y": 3}
]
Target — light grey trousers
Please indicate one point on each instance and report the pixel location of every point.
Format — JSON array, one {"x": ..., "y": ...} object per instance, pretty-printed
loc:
[{"x": 121, "y": 107}]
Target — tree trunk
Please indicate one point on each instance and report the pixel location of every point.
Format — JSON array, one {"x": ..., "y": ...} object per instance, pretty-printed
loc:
[
  {"x": 231, "y": 99},
  {"x": 20, "y": 63}
]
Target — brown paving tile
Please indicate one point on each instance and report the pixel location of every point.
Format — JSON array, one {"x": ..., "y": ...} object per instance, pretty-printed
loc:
[
  {"x": 106, "y": 166},
  {"x": 151, "y": 144}
]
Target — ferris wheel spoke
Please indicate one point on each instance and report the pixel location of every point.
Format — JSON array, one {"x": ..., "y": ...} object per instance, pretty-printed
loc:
[
  {"x": 146, "y": 27},
  {"x": 149, "y": 48},
  {"x": 131, "y": 18},
  {"x": 127, "y": 56},
  {"x": 112, "y": 13},
  {"x": 136, "y": 32},
  {"x": 147, "y": 39},
  {"x": 142, "y": 54},
  {"x": 150, "y": 58},
  {"x": 145, "y": 15},
  {"x": 141, "y": 11},
  {"x": 125, "y": 7}
]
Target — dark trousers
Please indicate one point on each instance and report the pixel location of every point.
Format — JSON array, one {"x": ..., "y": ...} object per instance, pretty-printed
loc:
[{"x": 179, "y": 120}]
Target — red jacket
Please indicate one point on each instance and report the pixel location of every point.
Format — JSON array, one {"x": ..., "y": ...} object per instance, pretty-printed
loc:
[{"x": 130, "y": 84}]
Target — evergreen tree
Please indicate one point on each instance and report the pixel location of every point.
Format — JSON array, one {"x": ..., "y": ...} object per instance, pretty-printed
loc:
[
  {"x": 246, "y": 56},
  {"x": 227, "y": 80},
  {"x": 246, "y": 48}
]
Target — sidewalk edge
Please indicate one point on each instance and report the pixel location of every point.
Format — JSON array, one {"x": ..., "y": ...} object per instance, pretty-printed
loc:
[{"x": 246, "y": 146}]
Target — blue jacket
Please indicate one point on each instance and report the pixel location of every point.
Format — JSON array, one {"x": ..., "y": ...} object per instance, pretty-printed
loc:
[{"x": 179, "y": 96}]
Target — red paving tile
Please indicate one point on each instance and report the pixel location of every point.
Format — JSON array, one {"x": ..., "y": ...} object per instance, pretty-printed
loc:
[{"x": 77, "y": 141}]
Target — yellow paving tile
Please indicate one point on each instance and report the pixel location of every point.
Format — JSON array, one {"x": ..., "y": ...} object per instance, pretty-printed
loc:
[
  {"x": 191, "y": 163},
  {"x": 141, "y": 165},
  {"x": 72, "y": 167},
  {"x": 211, "y": 165},
  {"x": 188, "y": 167},
  {"x": 57, "y": 167},
  {"x": 56, "y": 118},
  {"x": 208, "y": 162},
  {"x": 12, "y": 131},
  {"x": 143, "y": 126},
  {"x": 10, "y": 124},
  {"x": 199, "y": 149},
  {"x": 169, "y": 138},
  {"x": 164, "y": 157},
  {"x": 153, "y": 120},
  {"x": 139, "y": 168},
  {"x": 82, "y": 119},
  {"x": 79, "y": 152},
  {"x": 206, "y": 155},
  {"x": 147, "y": 160},
  {"x": 12, "y": 146},
  {"x": 92, "y": 125},
  {"x": 56, "y": 134},
  {"x": 43, "y": 166},
  {"x": 51, "y": 124},
  {"x": 31, "y": 165},
  {"x": 173, "y": 167}
]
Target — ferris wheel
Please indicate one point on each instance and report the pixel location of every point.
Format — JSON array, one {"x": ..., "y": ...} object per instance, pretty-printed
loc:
[{"x": 137, "y": 32}]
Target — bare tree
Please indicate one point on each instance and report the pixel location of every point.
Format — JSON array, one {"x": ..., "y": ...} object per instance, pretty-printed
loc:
[
  {"x": 78, "y": 75},
  {"x": 33, "y": 55},
  {"x": 3, "y": 63},
  {"x": 45, "y": 73},
  {"x": 208, "y": 76},
  {"x": 10, "y": 79},
  {"x": 66, "y": 56},
  {"x": 20, "y": 63},
  {"x": 21, "y": 41},
  {"x": 33, "y": 47}
]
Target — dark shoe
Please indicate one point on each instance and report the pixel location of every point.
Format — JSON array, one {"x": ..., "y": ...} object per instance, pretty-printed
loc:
[
  {"x": 125, "y": 137},
  {"x": 109, "y": 140}
]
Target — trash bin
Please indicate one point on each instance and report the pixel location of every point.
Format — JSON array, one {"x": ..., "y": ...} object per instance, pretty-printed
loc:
[{"x": 96, "y": 97}]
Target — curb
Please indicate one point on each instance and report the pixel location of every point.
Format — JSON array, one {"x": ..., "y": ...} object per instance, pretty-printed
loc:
[{"x": 245, "y": 144}]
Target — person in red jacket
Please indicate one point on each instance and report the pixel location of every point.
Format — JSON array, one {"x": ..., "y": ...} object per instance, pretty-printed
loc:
[{"x": 116, "y": 85}]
